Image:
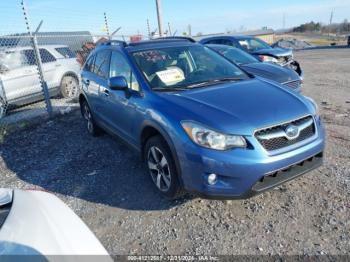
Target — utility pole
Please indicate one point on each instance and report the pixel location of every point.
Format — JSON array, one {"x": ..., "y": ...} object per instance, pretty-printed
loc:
[
  {"x": 331, "y": 18},
  {"x": 330, "y": 23},
  {"x": 169, "y": 28},
  {"x": 148, "y": 30},
  {"x": 160, "y": 18},
  {"x": 189, "y": 30}
]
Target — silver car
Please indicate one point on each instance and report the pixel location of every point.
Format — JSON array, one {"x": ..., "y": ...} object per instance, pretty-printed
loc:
[{"x": 19, "y": 79}]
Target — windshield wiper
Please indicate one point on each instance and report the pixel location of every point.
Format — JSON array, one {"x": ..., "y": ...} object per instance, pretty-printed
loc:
[
  {"x": 167, "y": 89},
  {"x": 214, "y": 81}
]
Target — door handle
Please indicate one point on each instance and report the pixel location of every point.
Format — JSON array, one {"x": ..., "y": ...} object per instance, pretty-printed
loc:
[{"x": 106, "y": 92}]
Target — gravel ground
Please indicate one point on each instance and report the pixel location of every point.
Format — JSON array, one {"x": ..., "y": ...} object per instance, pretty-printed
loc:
[{"x": 105, "y": 184}]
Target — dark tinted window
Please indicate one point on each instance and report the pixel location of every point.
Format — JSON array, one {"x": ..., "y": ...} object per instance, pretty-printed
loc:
[
  {"x": 101, "y": 67},
  {"x": 219, "y": 42},
  {"x": 46, "y": 56},
  {"x": 253, "y": 44},
  {"x": 65, "y": 52},
  {"x": 235, "y": 55},
  {"x": 29, "y": 57}
]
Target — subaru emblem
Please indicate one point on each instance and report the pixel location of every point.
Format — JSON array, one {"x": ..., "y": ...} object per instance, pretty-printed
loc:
[{"x": 292, "y": 132}]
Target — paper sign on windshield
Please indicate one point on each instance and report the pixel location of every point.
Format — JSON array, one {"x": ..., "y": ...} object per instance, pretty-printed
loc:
[{"x": 171, "y": 76}]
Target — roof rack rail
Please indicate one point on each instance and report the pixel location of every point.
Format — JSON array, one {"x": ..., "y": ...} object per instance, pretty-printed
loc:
[
  {"x": 176, "y": 37},
  {"x": 114, "y": 42}
]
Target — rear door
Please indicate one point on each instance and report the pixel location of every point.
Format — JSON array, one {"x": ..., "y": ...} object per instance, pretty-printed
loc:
[
  {"x": 95, "y": 81},
  {"x": 22, "y": 79}
]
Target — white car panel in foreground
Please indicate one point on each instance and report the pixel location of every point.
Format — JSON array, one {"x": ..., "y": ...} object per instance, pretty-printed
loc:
[{"x": 40, "y": 223}]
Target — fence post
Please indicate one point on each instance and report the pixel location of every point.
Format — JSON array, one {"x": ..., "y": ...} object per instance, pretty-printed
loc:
[
  {"x": 106, "y": 26},
  {"x": 39, "y": 64}
]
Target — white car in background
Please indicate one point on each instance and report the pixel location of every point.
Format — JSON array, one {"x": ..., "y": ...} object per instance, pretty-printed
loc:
[
  {"x": 38, "y": 223},
  {"x": 19, "y": 79}
]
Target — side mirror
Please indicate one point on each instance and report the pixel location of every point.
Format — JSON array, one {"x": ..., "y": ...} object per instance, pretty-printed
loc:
[{"x": 118, "y": 83}]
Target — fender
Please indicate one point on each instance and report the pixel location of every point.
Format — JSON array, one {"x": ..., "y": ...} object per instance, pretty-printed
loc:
[{"x": 168, "y": 140}]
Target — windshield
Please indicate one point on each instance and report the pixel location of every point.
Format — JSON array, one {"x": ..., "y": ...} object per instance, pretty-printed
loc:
[
  {"x": 253, "y": 44},
  {"x": 185, "y": 67},
  {"x": 235, "y": 55}
]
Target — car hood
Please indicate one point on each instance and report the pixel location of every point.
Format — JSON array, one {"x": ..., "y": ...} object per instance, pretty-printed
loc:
[
  {"x": 276, "y": 52},
  {"x": 270, "y": 71},
  {"x": 240, "y": 107},
  {"x": 41, "y": 224}
]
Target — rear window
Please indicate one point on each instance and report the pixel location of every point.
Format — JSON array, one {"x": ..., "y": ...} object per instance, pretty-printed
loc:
[{"x": 65, "y": 52}]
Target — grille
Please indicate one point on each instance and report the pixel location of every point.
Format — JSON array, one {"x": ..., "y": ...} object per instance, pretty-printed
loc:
[
  {"x": 281, "y": 142},
  {"x": 293, "y": 84}
]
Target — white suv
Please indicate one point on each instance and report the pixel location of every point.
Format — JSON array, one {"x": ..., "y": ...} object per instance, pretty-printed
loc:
[{"x": 19, "y": 79}]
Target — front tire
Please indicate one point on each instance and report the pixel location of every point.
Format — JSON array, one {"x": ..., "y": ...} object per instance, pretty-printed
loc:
[
  {"x": 161, "y": 167},
  {"x": 69, "y": 87}
]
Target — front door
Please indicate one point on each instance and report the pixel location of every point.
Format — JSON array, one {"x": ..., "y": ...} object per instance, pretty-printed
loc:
[{"x": 119, "y": 106}]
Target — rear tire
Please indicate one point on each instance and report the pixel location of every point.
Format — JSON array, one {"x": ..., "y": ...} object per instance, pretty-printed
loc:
[
  {"x": 161, "y": 167},
  {"x": 92, "y": 128},
  {"x": 3, "y": 107},
  {"x": 69, "y": 87}
]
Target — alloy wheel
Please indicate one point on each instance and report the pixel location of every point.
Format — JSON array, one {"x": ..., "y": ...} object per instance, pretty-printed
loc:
[
  {"x": 88, "y": 118},
  {"x": 159, "y": 168},
  {"x": 70, "y": 87}
]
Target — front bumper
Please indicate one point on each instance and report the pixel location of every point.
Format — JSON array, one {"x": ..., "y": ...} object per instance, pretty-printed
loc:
[{"x": 243, "y": 173}]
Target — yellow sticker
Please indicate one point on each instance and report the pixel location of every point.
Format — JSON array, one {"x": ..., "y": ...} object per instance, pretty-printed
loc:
[{"x": 171, "y": 76}]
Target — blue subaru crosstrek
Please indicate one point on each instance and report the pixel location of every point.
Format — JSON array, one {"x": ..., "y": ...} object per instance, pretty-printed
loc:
[{"x": 200, "y": 123}]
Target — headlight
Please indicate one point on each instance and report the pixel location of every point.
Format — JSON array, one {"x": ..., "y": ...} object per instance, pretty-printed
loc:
[
  {"x": 208, "y": 138},
  {"x": 313, "y": 103},
  {"x": 266, "y": 58}
]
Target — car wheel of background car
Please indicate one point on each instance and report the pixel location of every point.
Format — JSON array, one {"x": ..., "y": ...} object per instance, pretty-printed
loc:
[
  {"x": 161, "y": 167},
  {"x": 69, "y": 87},
  {"x": 92, "y": 127}
]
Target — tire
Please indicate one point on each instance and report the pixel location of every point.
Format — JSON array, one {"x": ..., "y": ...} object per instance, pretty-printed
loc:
[
  {"x": 3, "y": 107},
  {"x": 92, "y": 128},
  {"x": 69, "y": 87},
  {"x": 161, "y": 167}
]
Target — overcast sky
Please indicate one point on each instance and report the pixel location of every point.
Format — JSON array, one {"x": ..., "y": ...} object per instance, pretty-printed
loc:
[{"x": 204, "y": 15}]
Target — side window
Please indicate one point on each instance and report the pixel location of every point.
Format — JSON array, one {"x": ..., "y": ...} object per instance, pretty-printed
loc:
[
  {"x": 29, "y": 57},
  {"x": 101, "y": 67},
  {"x": 226, "y": 42},
  {"x": 12, "y": 60},
  {"x": 120, "y": 67},
  {"x": 89, "y": 66},
  {"x": 214, "y": 42},
  {"x": 65, "y": 52},
  {"x": 46, "y": 56}
]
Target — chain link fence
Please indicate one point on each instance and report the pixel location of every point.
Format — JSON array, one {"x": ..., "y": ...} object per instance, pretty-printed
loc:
[{"x": 40, "y": 70}]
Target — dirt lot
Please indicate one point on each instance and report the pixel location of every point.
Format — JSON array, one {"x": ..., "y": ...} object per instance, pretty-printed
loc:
[{"x": 104, "y": 182}]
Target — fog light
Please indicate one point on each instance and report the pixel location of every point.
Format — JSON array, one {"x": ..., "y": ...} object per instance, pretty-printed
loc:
[{"x": 212, "y": 178}]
